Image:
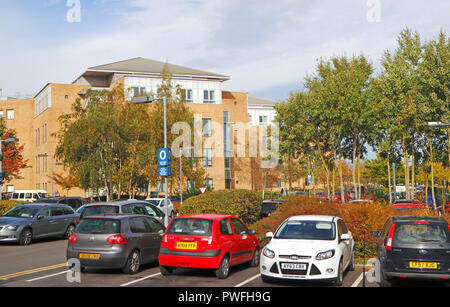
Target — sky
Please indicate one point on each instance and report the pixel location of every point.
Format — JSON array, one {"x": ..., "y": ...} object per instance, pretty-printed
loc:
[{"x": 266, "y": 47}]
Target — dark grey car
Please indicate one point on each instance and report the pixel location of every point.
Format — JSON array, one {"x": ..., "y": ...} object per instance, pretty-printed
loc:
[
  {"x": 116, "y": 241},
  {"x": 27, "y": 222}
]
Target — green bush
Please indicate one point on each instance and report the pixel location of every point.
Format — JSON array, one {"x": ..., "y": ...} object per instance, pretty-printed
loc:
[
  {"x": 244, "y": 204},
  {"x": 5, "y": 205}
]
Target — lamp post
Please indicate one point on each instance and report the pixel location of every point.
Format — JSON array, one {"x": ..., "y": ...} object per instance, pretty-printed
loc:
[
  {"x": 58, "y": 163},
  {"x": 181, "y": 173},
  {"x": 9, "y": 140},
  {"x": 148, "y": 99}
]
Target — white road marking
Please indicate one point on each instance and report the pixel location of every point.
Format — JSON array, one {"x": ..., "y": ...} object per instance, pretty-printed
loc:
[
  {"x": 358, "y": 281},
  {"x": 247, "y": 281},
  {"x": 47, "y": 276},
  {"x": 140, "y": 279}
]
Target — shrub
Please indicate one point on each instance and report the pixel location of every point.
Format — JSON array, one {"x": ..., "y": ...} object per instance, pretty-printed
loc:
[
  {"x": 5, "y": 205},
  {"x": 361, "y": 218},
  {"x": 244, "y": 204}
]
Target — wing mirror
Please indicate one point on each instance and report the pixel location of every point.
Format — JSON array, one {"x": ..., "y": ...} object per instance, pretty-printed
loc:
[{"x": 269, "y": 235}]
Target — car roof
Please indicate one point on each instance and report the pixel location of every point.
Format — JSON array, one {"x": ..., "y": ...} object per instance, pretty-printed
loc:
[
  {"x": 115, "y": 216},
  {"x": 117, "y": 203},
  {"x": 409, "y": 218},
  {"x": 321, "y": 218},
  {"x": 205, "y": 216},
  {"x": 42, "y": 204}
]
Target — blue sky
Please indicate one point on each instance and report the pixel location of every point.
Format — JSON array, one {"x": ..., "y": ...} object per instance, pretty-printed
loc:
[{"x": 266, "y": 47}]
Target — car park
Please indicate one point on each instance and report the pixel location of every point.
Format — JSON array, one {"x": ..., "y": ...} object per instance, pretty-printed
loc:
[
  {"x": 116, "y": 241},
  {"x": 73, "y": 201},
  {"x": 413, "y": 247},
  {"x": 26, "y": 222},
  {"x": 269, "y": 206},
  {"x": 208, "y": 241},
  {"x": 309, "y": 247}
]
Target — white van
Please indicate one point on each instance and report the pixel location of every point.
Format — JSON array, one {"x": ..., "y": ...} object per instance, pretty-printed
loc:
[{"x": 28, "y": 195}]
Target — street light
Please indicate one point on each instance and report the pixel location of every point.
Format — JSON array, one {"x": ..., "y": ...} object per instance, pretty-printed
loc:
[
  {"x": 58, "y": 163},
  {"x": 8, "y": 140},
  {"x": 149, "y": 99}
]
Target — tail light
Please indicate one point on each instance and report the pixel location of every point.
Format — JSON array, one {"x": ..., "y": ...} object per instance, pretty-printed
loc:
[
  {"x": 73, "y": 238},
  {"x": 390, "y": 238},
  {"x": 116, "y": 239},
  {"x": 448, "y": 226}
]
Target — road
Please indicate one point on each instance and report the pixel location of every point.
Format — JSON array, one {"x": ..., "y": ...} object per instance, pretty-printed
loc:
[{"x": 43, "y": 264}]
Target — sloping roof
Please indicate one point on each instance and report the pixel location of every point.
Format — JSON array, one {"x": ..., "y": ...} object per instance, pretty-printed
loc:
[
  {"x": 143, "y": 65},
  {"x": 260, "y": 102}
]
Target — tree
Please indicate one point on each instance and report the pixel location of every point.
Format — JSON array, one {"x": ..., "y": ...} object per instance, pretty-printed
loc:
[{"x": 12, "y": 154}]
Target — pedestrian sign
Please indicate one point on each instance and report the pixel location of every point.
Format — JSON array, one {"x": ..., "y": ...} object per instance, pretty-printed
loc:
[{"x": 164, "y": 172}]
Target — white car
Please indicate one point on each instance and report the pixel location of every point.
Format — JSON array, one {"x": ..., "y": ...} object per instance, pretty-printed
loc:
[
  {"x": 159, "y": 202},
  {"x": 309, "y": 247}
]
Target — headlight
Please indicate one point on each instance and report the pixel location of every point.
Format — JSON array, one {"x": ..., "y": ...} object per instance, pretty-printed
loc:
[
  {"x": 12, "y": 227},
  {"x": 325, "y": 255},
  {"x": 268, "y": 253}
]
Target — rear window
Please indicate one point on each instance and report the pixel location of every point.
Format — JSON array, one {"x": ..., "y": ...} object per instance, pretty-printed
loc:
[
  {"x": 98, "y": 226},
  {"x": 95, "y": 210},
  {"x": 192, "y": 227},
  {"x": 270, "y": 206},
  {"x": 421, "y": 232}
]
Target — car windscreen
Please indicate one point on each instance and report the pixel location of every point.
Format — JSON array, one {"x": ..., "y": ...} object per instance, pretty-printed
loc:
[
  {"x": 95, "y": 210},
  {"x": 269, "y": 206},
  {"x": 153, "y": 202},
  {"x": 307, "y": 230},
  {"x": 22, "y": 211},
  {"x": 420, "y": 232},
  {"x": 46, "y": 200},
  {"x": 98, "y": 226},
  {"x": 190, "y": 226}
]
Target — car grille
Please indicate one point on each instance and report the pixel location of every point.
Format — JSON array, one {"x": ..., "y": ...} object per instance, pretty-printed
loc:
[{"x": 294, "y": 257}]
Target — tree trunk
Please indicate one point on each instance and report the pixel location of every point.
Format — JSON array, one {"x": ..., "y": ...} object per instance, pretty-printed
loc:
[
  {"x": 389, "y": 177},
  {"x": 406, "y": 164},
  {"x": 432, "y": 176},
  {"x": 341, "y": 179},
  {"x": 413, "y": 170},
  {"x": 354, "y": 167},
  {"x": 359, "y": 174}
]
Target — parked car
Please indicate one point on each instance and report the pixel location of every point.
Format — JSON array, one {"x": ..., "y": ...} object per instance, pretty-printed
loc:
[
  {"x": 269, "y": 206},
  {"x": 414, "y": 247},
  {"x": 26, "y": 222},
  {"x": 160, "y": 202},
  {"x": 73, "y": 201},
  {"x": 359, "y": 201},
  {"x": 321, "y": 196},
  {"x": 405, "y": 204},
  {"x": 131, "y": 206},
  {"x": 337, "y": 197},
  {"x": 208, "y": 241},
  {"x": 116, "y": 241},
  {"x": 309, "y": 247},
  {"x": 28, "y": 195}
]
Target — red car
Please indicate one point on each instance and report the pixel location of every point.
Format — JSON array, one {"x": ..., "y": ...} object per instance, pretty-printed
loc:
[
  {"x": 408, "y": 205},
  {"x": 207, "y": 241}
]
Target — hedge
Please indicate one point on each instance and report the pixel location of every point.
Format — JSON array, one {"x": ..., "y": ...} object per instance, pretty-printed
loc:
[
  {"x": 5, "y": 205},
  {"x": 244, "y": 204},
  {"x": 361, "y": 218}
]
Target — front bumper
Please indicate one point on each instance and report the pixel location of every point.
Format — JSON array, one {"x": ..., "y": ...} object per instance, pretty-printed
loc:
[
  {"x": 9, "y": 236},
  {"x": 315, "y": 269}
]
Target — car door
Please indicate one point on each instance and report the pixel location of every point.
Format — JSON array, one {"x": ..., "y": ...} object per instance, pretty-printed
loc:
[
  {"x": 155, "y": 234},
  {"x": 244, "y": 249},
  {"x": 44, "y": 225},
  {"x": 59, "y": 220},
  {"x": 228, "y": 240},
  {"x": 345, "y": 245},
  {"x": 141, "y": 237}
]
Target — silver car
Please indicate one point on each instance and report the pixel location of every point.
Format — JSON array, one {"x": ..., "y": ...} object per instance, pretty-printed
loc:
[
  {"x": 116, "y": 241},
  {"x": 26, "y": 222}
]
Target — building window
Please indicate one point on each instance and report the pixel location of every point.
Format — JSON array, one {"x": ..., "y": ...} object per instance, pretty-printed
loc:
[
  {"x": 138, "y": 91},
  {"x": 206, "y": 127},
  {"x": 190, "y": 184},
  {"x": 1, "y": 113},
  {"x": 9, "y": 188},
  {"x": 187, "y": 95},
  {"x": 10, "y": 114},
  {"x": 208, "y": 96},
  {"x": 209, "y": 183},
  {"x": 207, "y": 157},
  {"x": 263, "y": 120}
]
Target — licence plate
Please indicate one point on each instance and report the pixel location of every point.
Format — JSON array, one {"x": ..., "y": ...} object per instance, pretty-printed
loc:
[
  {"x": 90, "y": 256},
  {"x": 293, "y": 266},
  {"x": 423, "y": 265},
  {"x": 186, "y": 245}
]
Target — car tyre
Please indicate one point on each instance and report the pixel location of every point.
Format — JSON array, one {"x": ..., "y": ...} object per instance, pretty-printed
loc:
[
  {"x": 340, "y": 278},
  {"x": 224, "y": 268},
  {"x": 166, "y": 270},
  {"x": 351, "y": 266},
  {"x": 385, "y": 282},
  {"x": 133, "y": 263},
  {"x": 25, "y": 237},
  {"x": 256, "y": 258},
  {"x": 266, "y": 279}
]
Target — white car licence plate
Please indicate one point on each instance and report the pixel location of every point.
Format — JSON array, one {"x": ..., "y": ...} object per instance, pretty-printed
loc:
[{"x": 293, "y": 266}]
